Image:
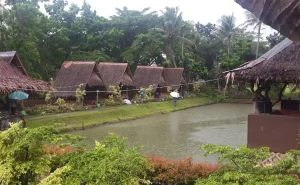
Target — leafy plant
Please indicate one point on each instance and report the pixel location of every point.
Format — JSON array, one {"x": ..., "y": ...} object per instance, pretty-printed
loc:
[
  {"x": 49, "y": 93},
  {"x": 22, "y": 157},
  {"x": 111, "y": 162},
  {"x": 80, "y": 93},
  {"x": 60, "y": 102},
  {"x": 116, "y": 96},
  {"x": 149, "y": 93},
  {"x": 181, "y": 172},
  {"x": 242, "y": 166}
]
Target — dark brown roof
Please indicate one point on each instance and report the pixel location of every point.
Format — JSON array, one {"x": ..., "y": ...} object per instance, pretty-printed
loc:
[
  {"x": 173, "y": 77},
  {"x": 115, "y": 74},
  {"x": 144, "y": 76},
  {"x": 72, "y": 74},
  {"x": 12, "y": 58},
  {"x": 280, "y": 64},
  {"x": 282, "y": 15},
  {"x": 11, "y": 80}
]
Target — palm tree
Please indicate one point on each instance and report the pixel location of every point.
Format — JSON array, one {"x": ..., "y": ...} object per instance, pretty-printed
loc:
[
  {"x": 228, "y": 29},
  {"x": 252, "y": 20},
  {"x": 173, "y": 25}
]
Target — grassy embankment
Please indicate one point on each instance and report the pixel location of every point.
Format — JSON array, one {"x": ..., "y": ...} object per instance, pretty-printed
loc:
[{"x": 76, "y": 120}]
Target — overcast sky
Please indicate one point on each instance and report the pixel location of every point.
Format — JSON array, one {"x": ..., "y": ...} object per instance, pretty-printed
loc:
[{"x": 203, "y": 11}]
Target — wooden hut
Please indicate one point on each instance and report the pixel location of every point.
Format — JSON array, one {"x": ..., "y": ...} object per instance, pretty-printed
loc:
[
  {"x": 117, "y": 74},
  {"x": 14, "y": 78},
  {"x": 144, "y": 76},
  {"x": 267, "y": 126},
  {"x": 282, "y": 15},
  {"x": 174, "y": 79},
  {"x": 74, "y": 73}
]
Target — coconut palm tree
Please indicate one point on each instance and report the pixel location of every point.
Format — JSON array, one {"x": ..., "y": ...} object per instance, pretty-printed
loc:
[
  {"x": 228, "y": 29},
  {"x": 252, "y": 20},
  {"x": 172, "y": 28}
]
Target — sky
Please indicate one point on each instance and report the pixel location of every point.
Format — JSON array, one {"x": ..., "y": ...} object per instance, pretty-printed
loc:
[{"x": 203, "y": 11}]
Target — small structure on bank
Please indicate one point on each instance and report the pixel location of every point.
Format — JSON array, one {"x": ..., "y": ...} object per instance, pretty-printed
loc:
[
  {"x": 14, "y": 78},
  {"x": 72, "y": 74},
  {"x": 145, "y": 76},
  {"x": 174, "y": 79},
  {"x": 277, "y": 129},
  {"x": 282, "y": 15},
  {"x": 117, "y": 74}
]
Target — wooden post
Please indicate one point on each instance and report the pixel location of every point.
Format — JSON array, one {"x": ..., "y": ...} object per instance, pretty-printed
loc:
[{"x": 97, "y": 97}]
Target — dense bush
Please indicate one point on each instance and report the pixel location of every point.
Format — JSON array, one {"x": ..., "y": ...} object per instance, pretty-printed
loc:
[
  {"x": 241, "y": 167},
  {"x": 54, "y": 109},
  {"x": 22, "y": 157},
  {"x": 182, "y": 172}
]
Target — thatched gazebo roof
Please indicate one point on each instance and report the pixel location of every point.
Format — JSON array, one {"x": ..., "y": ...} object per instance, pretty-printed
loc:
[
  {"x": 13, "y": 59},
  {"x": 281, "y": 64},
  {"x": 12, "y": 79},
  {"x": 144, "y": 76},
  {"x": 72, "y": 74},
  {"x": 173, "y": 77},
  {"x": 115, "y": 74},
  {"x": 282, "y": 15}
]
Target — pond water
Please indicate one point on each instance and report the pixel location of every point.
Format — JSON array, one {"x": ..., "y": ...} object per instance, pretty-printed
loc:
[{"x": 180, "y": 134}]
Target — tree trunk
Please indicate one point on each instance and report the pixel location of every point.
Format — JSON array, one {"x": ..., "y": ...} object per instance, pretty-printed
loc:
[
  {"x": 171, "y": 54},
  {"x": 258, "y": 38}
]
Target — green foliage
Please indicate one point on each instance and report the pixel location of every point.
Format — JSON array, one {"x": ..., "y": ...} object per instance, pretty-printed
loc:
[
  {"x": 54, "y": 109},
  {"x": 80, "y": 93},
  {"x": 196, "y": 89},
  {"x": 22, "y": 159},
  {"x": 148, "y": 93},
  {"x": 241, "y": 166},
  {"x": 116, "y": 96},
  {"x": 60, "y": 102},
  {"x": 239, "y": 53},
  {"x": 181, "y": 172},
  {"x": 110, "y": 162},
  {"x": 70, "y": 32}
]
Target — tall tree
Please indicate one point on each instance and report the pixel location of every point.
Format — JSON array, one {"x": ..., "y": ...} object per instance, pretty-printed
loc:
[
  {"x": 228, "y": 29},
  {"x": 253, "y": 21},
  {"x": 172, "y": 27}
]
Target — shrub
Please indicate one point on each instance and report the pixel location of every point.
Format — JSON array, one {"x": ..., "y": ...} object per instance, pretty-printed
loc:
[
  {"x": 54, "y": 109},
  {"x": 111, "y": 162},
  {"x": 182, "y": 172},
  {"x": 241, "y": 166},
  {"x": 80, "y": 93},
  {"x": 22, "y": 157},
  {"x": 115, "y": 98}
]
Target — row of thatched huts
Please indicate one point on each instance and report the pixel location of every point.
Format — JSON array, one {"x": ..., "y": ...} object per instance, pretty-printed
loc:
[{"x": 99, "y": 78}]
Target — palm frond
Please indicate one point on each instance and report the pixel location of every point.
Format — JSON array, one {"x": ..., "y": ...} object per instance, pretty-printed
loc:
[
  {"x": 185, "y": 40},
  {"x": 159, "y": 30}
]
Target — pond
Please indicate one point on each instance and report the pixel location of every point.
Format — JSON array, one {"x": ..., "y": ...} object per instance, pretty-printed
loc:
[{"x": 179, "y": 134}]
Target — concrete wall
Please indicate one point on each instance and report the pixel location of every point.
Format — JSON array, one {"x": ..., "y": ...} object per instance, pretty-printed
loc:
[{"x": 278, "y": 132}]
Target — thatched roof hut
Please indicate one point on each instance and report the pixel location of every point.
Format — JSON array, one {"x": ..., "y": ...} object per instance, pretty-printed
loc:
[
  {"x": 115, "y": 74},
  {"x": 11, "y": 79},
  {"x": 14, "y": 76},
  {"x": 144, "y": 76},
  {"x": 282, "y": 15},
  {"x": 173, "y": 77},
  {"x": 72, "y": 74},
  {"x": 281, "y": 64},
  {"x": 13, "y": 59}
]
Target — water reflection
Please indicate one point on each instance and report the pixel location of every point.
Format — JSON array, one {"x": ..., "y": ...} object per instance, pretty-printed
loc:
[{"x": 180, "y": 134}]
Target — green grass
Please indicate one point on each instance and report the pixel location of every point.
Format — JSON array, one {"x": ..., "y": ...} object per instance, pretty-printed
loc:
[{"x": 73, "y": 121}]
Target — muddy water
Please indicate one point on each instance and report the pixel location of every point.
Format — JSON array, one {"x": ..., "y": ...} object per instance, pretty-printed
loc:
[{"x": 180, "y": 134}]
